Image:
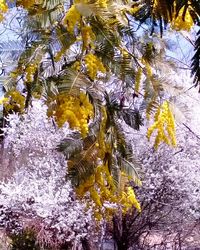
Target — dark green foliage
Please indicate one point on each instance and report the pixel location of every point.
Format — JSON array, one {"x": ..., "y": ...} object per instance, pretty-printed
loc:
[
  {"x": 81, "y": 155},
  {"x": 25, "y": 240},
  {"x": 149, "y": 51},
  {"x": 132, "y": 118},
  {"x": 196, "y": 62},
  {"x": 70, "y": 146}
]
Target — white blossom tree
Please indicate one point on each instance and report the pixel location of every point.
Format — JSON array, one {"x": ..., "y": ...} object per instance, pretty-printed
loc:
[
  {"x": 38, "y": 196},
  {"x": 169, "y": 195}
]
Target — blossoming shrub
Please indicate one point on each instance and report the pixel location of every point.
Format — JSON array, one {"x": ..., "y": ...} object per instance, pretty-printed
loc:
[
  {"x": 37, "y": 196},
  {"x": 169, "y": 195}
]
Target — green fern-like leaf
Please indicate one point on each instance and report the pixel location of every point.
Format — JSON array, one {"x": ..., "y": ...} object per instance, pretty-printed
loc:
[
  {"x": 82, "y": 165},
  {"x": 131, "y": 169},
  {"x": 70, "y": 146},
  {"x": 132, "y": 118}
]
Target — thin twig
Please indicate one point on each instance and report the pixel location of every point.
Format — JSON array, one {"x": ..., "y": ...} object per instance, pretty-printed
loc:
[{"x": 197, "y": 136}]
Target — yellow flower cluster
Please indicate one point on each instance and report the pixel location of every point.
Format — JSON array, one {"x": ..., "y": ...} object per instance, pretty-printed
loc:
[
  {"x": 134, "y": 10},
  {"x": 138, "y": 77},
  {"x": 128, "y": 200},
  {"x": 93, "y": 65},
  {"x": 14, "y": 101},
  {"x": 30, "y": 71},
  {"x": 103, "y": 146},
  {"x": 76, "y": 110},
  {"x": 177, "y": 23},
  {"x": 100, "y": 185},
  {"x": 71, "y": 18},
  {"x": 26, "y": 4},
  {"x": 156, "y": 4},
  {"x": 88, "y": 36},
  {"x": 89, "y": 185},
  {"x": 102, "y": 3},
  {"x": 3, "y": 100},
  {"x": 148, "y": 69},
  {"x": 76, "y": 66},
  {"x": 104, "y": 186},
  {"x": 3, "y": 8},
  {"x": 180, "y": 24},
  {"x": 163, "y": 122},
  {"x": 102, "y": 189}
]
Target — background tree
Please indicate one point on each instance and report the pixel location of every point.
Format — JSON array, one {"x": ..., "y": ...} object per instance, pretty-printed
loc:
[
  {"x": 37, "y": 203},
  {"x": 169, "y": 196}
]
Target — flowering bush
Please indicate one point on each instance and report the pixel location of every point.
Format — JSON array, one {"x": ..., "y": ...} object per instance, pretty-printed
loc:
[
  {"x": 38, "y": 195},
  {"x": 177, "y": 167},
  {"x": 169, "y": 195}
]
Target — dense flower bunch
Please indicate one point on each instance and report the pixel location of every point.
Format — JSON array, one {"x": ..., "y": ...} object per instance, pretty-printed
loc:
[
  {"x": 129, "y": 199},
  {"x": 38, "y": 188},
  {"x": 71, "y": 18},
  {"x": 76, "y": 110},
  {"x": 107, "y": 198},
  {"x": 27, "y": 4},
  {"x": 138, "y": 77},
  {"x": 179, "y": 24},
  {"x": 163, "y": 120},
  {"x": 103, "y": 3},
  {"x": 3, "y": 6},
  {"x": 103, "y": 181},
  {"x": 88, "y": 36},
  {"x": 30, "y": 71},
  {"x": 101, "y": 186},
  {"x": 93, "y": 65},
  {"x": 3, "y": 9},
  {"x": 14, "y": 101}
]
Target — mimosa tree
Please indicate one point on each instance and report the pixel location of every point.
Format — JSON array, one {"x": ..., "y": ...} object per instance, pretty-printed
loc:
[{"x": 89, "y": 62}]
